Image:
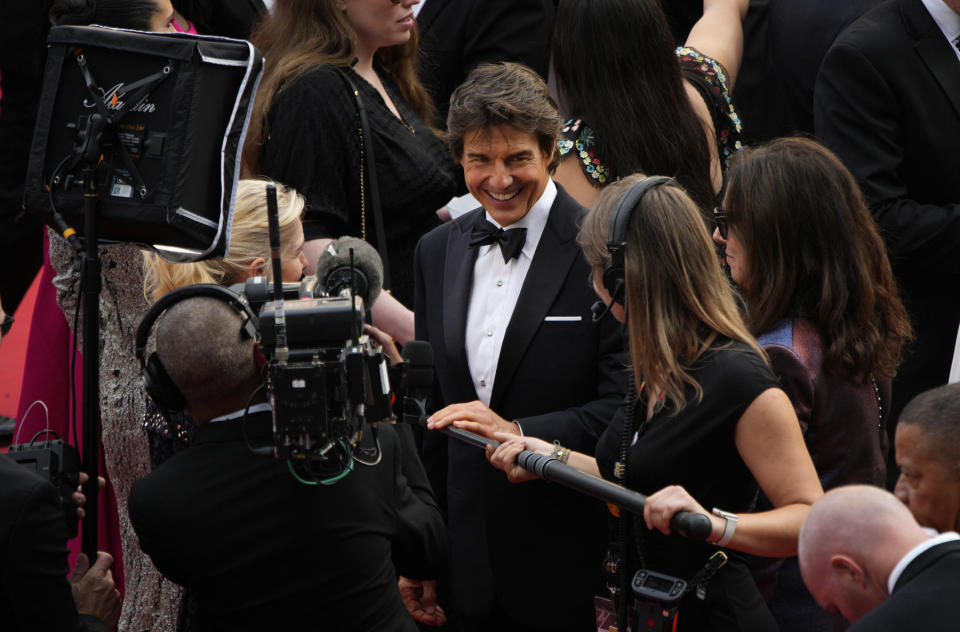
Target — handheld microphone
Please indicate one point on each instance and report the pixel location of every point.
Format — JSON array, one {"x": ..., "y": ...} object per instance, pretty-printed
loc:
[{"x": 365, "y": 276}]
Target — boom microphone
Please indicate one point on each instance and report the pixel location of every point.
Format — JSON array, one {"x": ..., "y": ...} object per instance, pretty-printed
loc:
[{"x": 366, "y": 276}]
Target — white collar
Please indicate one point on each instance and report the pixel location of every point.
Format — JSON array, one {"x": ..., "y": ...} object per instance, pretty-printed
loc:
[
  {"x": 914, "y": 553},
  {"x": 237, "y": 414},
  {"x": 946, "y": 18},
  {"x": 535, "y": 221}
]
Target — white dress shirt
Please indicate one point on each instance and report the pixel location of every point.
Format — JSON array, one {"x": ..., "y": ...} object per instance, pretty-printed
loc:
[
  {"x": 914, "y": 553},
  {"x": 496, "y": 287},
  {"x": 416, "y": 11},
  {"x": 947, "y": 19}
]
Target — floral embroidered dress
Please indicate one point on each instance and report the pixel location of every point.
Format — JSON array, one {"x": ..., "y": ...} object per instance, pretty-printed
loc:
[{"x": 710, "y": 80}]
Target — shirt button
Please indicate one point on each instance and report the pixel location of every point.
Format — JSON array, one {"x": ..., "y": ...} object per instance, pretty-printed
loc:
[
  {"x": 483, "y": 382},
  {"x": 489, "y": 332},
  {"x": 499, "y": 283}
]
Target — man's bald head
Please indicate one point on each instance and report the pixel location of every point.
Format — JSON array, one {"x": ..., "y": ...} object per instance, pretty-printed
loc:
[
  {"x": 200, "y": 344},
  {"x": 849, "y": 543}
]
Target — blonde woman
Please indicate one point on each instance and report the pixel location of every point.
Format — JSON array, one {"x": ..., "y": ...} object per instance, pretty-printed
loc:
[
  {"x": 706, "y": 422},
  {"x": 249, "y": 253}
]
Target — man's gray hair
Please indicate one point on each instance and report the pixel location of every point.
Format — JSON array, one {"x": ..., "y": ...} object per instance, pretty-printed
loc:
[{"x": 201, "y": 347}]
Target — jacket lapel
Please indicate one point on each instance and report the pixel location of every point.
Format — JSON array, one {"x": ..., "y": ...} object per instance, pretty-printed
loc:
[
  {"x": 457, "y": 282},
  {"x": 934, "y": 49},
  {"x": 548, "y": 271}
]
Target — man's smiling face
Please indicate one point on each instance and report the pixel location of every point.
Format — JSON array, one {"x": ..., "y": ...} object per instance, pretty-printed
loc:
[{"x": 506, "y": 170}]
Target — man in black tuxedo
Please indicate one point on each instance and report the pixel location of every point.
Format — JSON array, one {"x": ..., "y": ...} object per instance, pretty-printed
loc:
[
  {"x": 456, "y": 36},
  {"x": 258, "y": 549},
  {"x": 503, "y": 296},
  {"x": 863, "y": 554},
  {"x": 887, "y": 101}
]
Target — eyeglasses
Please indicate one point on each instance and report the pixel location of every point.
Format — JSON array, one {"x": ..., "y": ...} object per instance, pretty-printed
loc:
[
  {"x": 6, "y": 324},
  {"x": 720, "y": 217}
]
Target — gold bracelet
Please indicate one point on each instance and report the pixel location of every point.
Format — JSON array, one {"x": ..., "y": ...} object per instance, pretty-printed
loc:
[{"x": 560, "y": 453}]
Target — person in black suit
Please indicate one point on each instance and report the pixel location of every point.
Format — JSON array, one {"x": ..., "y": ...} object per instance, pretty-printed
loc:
[
  {"x": 34, "y": 591},
  {"x": 258, "y": 548},
  {"x": 502, "y": 295},
  {"x": 458, "y": 35},
  {"x": 863, "y": 554},
  {"x": 887, "y": 102}
]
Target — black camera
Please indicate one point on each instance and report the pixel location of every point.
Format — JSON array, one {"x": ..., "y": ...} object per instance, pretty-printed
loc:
[
  {"x": 328, "y": 380},
  {"x": 59, "y": 463}
]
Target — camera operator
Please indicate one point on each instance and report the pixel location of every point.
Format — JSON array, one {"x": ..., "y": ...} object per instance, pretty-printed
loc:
[
  {"x": 33, "y": 575},
  {"x": 266, "y": 551}
]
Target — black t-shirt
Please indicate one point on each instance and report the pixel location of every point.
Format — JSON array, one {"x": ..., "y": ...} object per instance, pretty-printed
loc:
[
  {"x": 314, "y": 146},
  {"x": 695, "y": 448}
]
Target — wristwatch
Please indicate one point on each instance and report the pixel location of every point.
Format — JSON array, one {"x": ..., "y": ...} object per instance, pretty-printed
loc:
[{"x": 729, "y": 528}]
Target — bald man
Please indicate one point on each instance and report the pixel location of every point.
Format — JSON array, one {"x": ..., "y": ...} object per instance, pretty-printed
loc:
[
  {"x": 863, "y": 554},
  {"x": 927, "y": 445}
]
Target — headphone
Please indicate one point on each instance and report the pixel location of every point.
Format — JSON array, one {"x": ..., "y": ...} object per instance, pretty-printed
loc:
[
  {"x": 156, "y": 380},
  {"x": 614, "y": 268}
]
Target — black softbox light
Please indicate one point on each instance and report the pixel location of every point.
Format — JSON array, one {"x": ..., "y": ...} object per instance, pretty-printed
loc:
[{"x": 177, "y": 108}]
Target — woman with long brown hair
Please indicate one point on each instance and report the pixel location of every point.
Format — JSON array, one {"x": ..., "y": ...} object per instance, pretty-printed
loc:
[
  {"x": 305, "y": 130},
  {"x": 706, "y": 422},
  {"x": 821, "y": 298}
]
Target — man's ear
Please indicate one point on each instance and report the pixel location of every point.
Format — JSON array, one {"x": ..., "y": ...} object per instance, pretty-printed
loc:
[{"x": 847, "y": 569}]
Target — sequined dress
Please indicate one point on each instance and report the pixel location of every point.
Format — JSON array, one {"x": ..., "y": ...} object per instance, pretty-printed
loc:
[
  {"x": 150, "y": 600},
  {"x": 707, "y": 76}
]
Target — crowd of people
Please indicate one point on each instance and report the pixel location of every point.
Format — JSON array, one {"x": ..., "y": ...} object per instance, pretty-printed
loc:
[{"x": 769, "y": 350}]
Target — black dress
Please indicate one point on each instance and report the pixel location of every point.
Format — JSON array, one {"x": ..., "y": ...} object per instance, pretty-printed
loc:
[
  {"x": 314, "y": 146},
  {"x": 696, "y": 449}
]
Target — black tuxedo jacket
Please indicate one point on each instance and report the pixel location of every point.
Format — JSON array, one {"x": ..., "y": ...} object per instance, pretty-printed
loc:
[
  {"x": 887, "y": 101},
  {"x": 458, "y": 35},
  {"x": 260, "y": 551},
  {"x": 535, "y": 547},
  {"x": 924, "y": 598},
  {"x": 34, "y": 591}
]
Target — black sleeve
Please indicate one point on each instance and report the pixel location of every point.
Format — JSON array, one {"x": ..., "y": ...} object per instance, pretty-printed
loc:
[
  {"x": 313, "y": 147},
  {"x": 434, "y": 448},
  {"x": 421, "y": 547},
  {"x": 34, "y": 571},
  {"x": 857, "y": 115}
]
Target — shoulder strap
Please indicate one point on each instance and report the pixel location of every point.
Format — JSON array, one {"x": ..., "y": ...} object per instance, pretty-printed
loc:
[{"x": 370, "y": 187}]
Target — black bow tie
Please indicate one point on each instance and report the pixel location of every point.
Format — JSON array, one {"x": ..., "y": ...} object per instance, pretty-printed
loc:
[{"x": 511, "y": 240}]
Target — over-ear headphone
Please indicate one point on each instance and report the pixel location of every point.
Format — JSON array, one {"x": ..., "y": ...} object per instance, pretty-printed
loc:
[
  {"x": 156, "y": 380},
  {"x": 614, "y": 268}
]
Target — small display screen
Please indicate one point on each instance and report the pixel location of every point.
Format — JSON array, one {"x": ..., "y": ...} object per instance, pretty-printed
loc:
[{"x": 658, "y": 583}]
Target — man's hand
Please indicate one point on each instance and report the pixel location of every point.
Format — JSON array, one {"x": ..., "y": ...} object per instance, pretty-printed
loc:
[
  {"x": 474, "y": 417},
  {"x": 93, "y": 589},
  {"x": 420, "y": 598},
  {"x": 79, "y": 498}
]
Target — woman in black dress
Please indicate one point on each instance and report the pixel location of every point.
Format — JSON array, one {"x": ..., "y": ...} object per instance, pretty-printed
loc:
[
  {"x": 707, "y": 421},
  {"x": 305, "y": 130}
]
